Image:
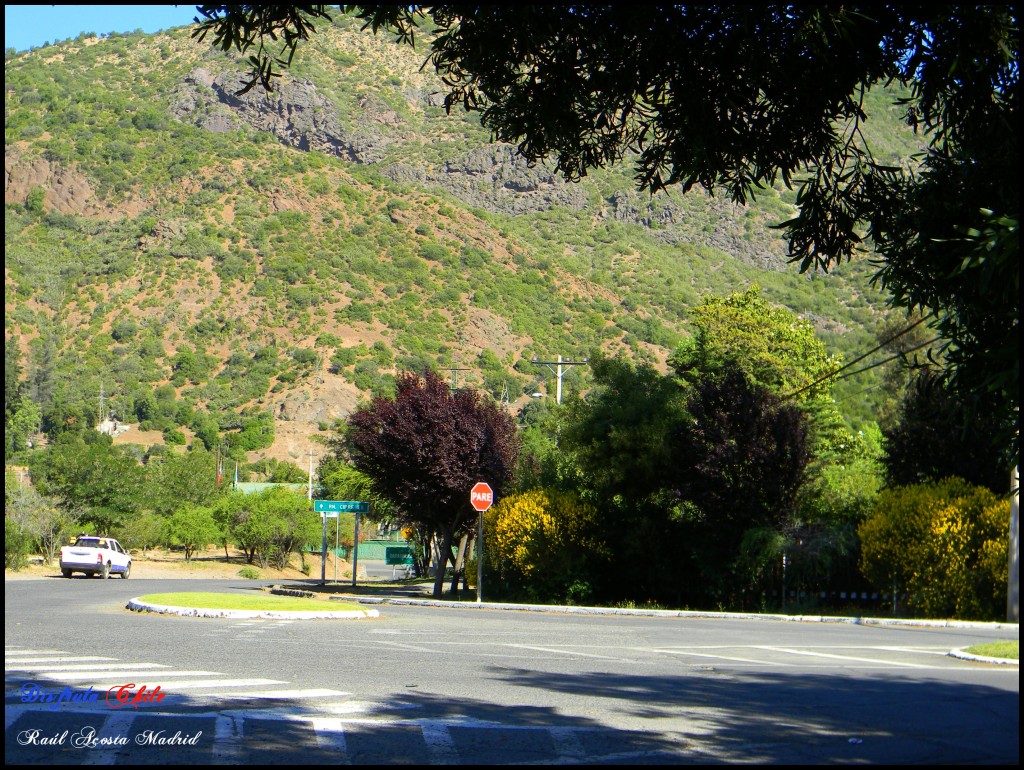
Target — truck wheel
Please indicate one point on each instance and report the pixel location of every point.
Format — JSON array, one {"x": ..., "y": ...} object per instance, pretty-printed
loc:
[
  {"x": 106, "y": 572},
  {"x": 66, "y": 573},
  {"x": 127, "y": 571}
]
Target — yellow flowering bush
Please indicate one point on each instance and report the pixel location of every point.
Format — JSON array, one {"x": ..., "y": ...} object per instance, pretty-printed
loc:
[
  {"x": 544, "y": 543},
  {"x": 943, "y": 545}
]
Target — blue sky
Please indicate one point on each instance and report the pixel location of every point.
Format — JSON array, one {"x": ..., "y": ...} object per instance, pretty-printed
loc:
[{"x": 26, "y": 26}]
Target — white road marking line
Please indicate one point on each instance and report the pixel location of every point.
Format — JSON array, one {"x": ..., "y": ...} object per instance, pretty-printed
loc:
[
  {"x": 401, "y": 646},
  {"x": 57, "y": 661},
  {"x": 81, "y": 667},
  {"x": 716, "y": 656},
  {"x": 941, "y": 652},
  {"x": 120, "y": 674},
  {"x": 330, "y": 735},
  {"x": 440, "y": 746},
  {"x": 562, "y": 652},
  {"x": 850, "y": 658},
  {"x": 115, "y": 726},
  {"x": 351, "y": 707},
  {"x": 227, "y": 740}
]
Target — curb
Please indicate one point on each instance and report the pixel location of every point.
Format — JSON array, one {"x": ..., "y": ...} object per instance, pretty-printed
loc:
[
  {"x": 968, "y": 624},
  {"x": 964, "y": 655},
  {"x": 137, "y": 605}
]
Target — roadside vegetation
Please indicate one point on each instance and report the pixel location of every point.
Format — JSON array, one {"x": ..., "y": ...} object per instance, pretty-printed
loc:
[
  {"x": 731, "y": 482},
  {"x": 724, "y": 447}
]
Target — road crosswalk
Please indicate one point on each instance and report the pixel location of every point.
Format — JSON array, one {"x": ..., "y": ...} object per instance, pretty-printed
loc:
[{"x": 212, "y": 718}]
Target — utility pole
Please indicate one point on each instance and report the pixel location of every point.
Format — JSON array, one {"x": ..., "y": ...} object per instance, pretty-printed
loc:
[
  {"x": 559, "y": 371},
  {"x": 309, "y": 493}
]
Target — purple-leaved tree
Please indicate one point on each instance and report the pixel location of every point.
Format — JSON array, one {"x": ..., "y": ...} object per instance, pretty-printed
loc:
[{"x": 426, "y": 447}]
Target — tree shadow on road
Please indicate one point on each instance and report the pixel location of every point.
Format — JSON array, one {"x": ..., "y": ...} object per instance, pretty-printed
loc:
[{"x": 799, "y": 717}]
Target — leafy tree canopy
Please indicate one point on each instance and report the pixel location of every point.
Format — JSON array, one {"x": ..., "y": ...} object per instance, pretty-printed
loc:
[
  {"x": 426, "y": 447},
  {"x": 938, "y": 435},
  {"x": 742, "y": 459},
  {"x": 734, "y": 98},
  {"x": 621, "y": 435},
  {"x": 743, "y": 454},
  {"x": 772, "y": 345},
  {"x": 104, "y": 479}
]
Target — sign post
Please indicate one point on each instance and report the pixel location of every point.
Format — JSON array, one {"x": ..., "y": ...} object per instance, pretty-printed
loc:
[
  {"x": 329, "y": 509},
  {"x": 481, "y": 497},
  {"x": 323, "y": 554}
]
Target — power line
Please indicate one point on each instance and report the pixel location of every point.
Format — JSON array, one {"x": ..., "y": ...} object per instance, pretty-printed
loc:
[
  {"x": 890, "y": 358},
  {"x": 859, "y": 358}
]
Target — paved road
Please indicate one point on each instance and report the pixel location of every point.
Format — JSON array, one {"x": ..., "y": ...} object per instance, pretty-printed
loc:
[{"x": 466, "y": 686}]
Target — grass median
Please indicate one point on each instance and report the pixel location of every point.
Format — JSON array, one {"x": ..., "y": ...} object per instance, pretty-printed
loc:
[
  {"x": 1010, "y": 650},
  {"x": 204, "y": 600}
]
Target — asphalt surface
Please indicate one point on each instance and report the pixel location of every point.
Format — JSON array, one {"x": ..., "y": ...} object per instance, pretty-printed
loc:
[{"x": 464, "y": 685}]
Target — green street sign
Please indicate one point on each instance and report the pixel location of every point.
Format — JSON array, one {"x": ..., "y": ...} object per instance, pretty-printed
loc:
[
  {"x": 397, "y": 556},
  {"x": 340, "y": 506}
]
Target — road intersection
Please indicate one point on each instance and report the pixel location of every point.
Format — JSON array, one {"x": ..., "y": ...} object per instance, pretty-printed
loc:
[{"x": 440, "y": 685}]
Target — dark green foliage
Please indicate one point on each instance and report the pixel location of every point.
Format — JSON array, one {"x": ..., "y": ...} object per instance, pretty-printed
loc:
[
  {"x": 256, "y": 433},
  {"x": 269, "y": 525},
  {"x": 191, "y": 366},
  {"x": 741, "y": 459},
  {"x": 940, "y": 433},
  {"x": 106, "y": 481},
  {"x": 174, "y": 437},
  {"x": 179, "y": 478},
  {"x": 620, "y": 458},
  {"x": 17, "y": 545},
  {"x": 123, "y": 330},
  {"x": 621, "y": 435},
  {"x": 304, "y": 356}
]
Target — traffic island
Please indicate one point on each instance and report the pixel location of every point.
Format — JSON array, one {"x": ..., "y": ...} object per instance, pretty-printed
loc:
[
  {"x": 978, "y": 655},
  {"x": 242, "y": 606}
]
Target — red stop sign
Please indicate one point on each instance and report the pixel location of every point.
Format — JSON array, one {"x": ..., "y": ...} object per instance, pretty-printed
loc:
[{"x": 481, "y": 496}]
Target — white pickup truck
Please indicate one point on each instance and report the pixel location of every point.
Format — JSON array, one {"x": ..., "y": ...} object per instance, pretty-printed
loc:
[{"x": 92, "y": 555}]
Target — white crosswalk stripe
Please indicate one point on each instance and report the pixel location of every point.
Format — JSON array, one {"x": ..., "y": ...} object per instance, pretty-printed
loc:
[
  {"x": 79, "y": 667},
  {"x": 113, "y": 674},
  {"x": 81, "y": 672},
  {"x": 330, "y": 735},
  {"x": 234, "y": 714},
  {"x": 12, "y": 661}
]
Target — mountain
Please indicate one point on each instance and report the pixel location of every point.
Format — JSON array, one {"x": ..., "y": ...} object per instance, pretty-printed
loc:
[{"x": 209, "y": 260}]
